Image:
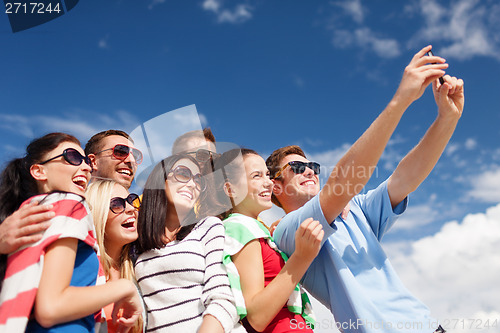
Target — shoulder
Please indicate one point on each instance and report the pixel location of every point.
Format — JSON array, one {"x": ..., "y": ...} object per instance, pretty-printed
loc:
[
  {"x": 209, "y": 221},
  {"x": 209, "y": 225},
  {"x": 312, "y": 208},
  {"x": 64, "y": 204}
]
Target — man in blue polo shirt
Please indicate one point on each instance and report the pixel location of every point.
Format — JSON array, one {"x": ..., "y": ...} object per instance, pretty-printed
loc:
[{"x": 352, "y": 275}]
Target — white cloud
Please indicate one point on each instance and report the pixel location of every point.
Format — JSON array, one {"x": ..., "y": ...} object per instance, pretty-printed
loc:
[
  {"x": 451, "y": 148},
  {"x": 239, "y": 14},
  {"x": 211, "y": 5},
  {"x": 354, "y": 8},
  {"x": 18, "y": 124},
  {"x": 362, "y": 36},
  {"x": 328, "y": 159},
  {"x": 470, "y": 144},
  {"x": 466, "y": 28},
  {"x": 455, "y": 271},
  {"x": 154, "y": 3},
  {"x": 103, "y": 42},
  {"x": 81, "y": 123},
  {"x": 365, "y": 38},
  {"x": 486, "y": 186},
  {"x": 298, "y": 81},
  {"x": 416, "y": 216}
]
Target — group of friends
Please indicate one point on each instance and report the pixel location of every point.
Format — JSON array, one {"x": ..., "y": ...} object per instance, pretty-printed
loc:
[{"x": 80, "y": 253}]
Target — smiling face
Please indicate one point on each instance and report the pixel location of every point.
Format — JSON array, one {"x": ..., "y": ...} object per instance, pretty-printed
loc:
[
  {"x": 299, "y": 188},
  {"x": 182, "y": 196},
  {"x": 259, "y": 187},
  {"x": 59, "y": 175},
  {"x": 121, "y": 229},
  {"x": 106, "y": 166}
]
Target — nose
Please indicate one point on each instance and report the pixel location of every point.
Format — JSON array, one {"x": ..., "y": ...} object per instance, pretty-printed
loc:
[
  {"x": 129, "y": 209},
  {"x": 308, "y": 172},
  {"x": 191, "y": 183},
  {"x": 130, "y": 159},
  {"x": 85, "y": 167},
  {"x": 268, "y": 183}
]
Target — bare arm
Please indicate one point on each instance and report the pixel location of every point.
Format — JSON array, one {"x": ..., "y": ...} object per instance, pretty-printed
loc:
[
  {"x": 264, "y": 303},
  {"x": 418, "y": 163},
  {"x": 355, "y": 168},
  {"x": 24, "y": 226},
  {"x": 210, "y": 324},
  {"x": 55, "y": 300}
]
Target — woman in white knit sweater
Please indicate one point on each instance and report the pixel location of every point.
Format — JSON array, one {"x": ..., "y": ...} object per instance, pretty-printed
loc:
[{"x": 179, "y": 269}]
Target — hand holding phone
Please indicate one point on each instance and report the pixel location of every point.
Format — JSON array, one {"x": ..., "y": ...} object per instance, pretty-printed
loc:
[{"x": 430, "y": 54}]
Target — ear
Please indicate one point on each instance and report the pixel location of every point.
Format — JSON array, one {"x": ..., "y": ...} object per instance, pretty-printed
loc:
[
  {"x": 277, "y": 188},
  {"x": 38, "y": 172},
  {"x": 228, "y": 190},
  {"x": 93, "y": 161}
]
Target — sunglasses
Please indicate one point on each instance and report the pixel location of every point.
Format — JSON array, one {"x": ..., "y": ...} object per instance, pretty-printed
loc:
[
  {"x": 203, "y": 155},
  {"x": 299, "y": 167},
  {"x": 73, "y": 157},
  {"x": 117, "y": 204},
  {"x": 183, "y": 175},
  {"x": 121, "y": 152}
]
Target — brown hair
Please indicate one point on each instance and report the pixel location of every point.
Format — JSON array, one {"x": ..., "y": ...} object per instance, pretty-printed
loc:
[
  {"x": 181, "y": 139},
  {"x": 94, "y": 144},
  {"x": 274, "y": 160}
]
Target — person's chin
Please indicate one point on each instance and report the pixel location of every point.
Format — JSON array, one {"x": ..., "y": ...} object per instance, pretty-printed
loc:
[{"x": 124, "y": 180}]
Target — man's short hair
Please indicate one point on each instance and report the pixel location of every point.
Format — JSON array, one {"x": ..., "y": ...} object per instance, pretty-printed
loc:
[
  {"x": 274, "y": 160},
  {"x": 94, "y": 145},
  {"x": 179, "y": 143}
]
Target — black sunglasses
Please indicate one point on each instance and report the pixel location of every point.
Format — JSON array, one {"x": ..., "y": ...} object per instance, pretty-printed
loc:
[
  {"x": 299, "y": 167},
  {"x": 117, "y": 204},
  {"x": 72, "y": 156},
  {"x": 203, "y": 155},
  {"x": 183, "y": 175},
  {"x": 121, "y": 152}
]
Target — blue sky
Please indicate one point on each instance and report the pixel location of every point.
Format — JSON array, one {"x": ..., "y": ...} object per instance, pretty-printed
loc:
[{"x": 264, "y": 74}]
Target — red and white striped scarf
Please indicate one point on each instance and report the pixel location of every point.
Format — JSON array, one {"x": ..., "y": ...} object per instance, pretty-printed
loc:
[{"x": 24, "y": 267}]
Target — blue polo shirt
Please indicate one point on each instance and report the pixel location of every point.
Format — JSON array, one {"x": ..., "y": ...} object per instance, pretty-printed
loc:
[{"x": 352, "y": 275}]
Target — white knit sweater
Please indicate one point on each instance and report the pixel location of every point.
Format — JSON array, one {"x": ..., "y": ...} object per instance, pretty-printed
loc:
[{"x": 185, "y": 280}]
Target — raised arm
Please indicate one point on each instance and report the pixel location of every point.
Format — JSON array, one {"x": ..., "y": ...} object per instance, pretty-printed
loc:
[
  {"x": 264, "y": 303},
  {"x": 418, "y": 163},
  {"x": 355, "y": 168}
]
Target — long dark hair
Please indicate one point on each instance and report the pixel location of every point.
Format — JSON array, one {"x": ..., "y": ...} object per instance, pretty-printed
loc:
[
  {"x": 153, "y": 212},
  {"x": 16, "y": 182}
]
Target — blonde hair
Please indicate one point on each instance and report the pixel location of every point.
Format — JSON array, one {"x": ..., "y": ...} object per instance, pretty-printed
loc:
[{"x": 98, "y": 196}]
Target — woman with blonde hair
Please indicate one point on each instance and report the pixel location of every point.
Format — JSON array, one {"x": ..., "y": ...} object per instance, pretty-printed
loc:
[{"x": 114, "y": 211}]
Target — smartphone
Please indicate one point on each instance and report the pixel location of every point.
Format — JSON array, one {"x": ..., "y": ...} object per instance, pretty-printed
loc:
[{"x": 430, "y": 54}]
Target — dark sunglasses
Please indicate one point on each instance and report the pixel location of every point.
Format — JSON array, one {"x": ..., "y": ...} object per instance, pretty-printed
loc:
[
  {"x": 72, "y": 156},
  {"x": 117, "y": 204},
  {"x": 299, "y": 167},
  {"x": 203, "y": 155},
  {"x": 121, "y": 152},
  {"x": 183, "y": 175}
]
